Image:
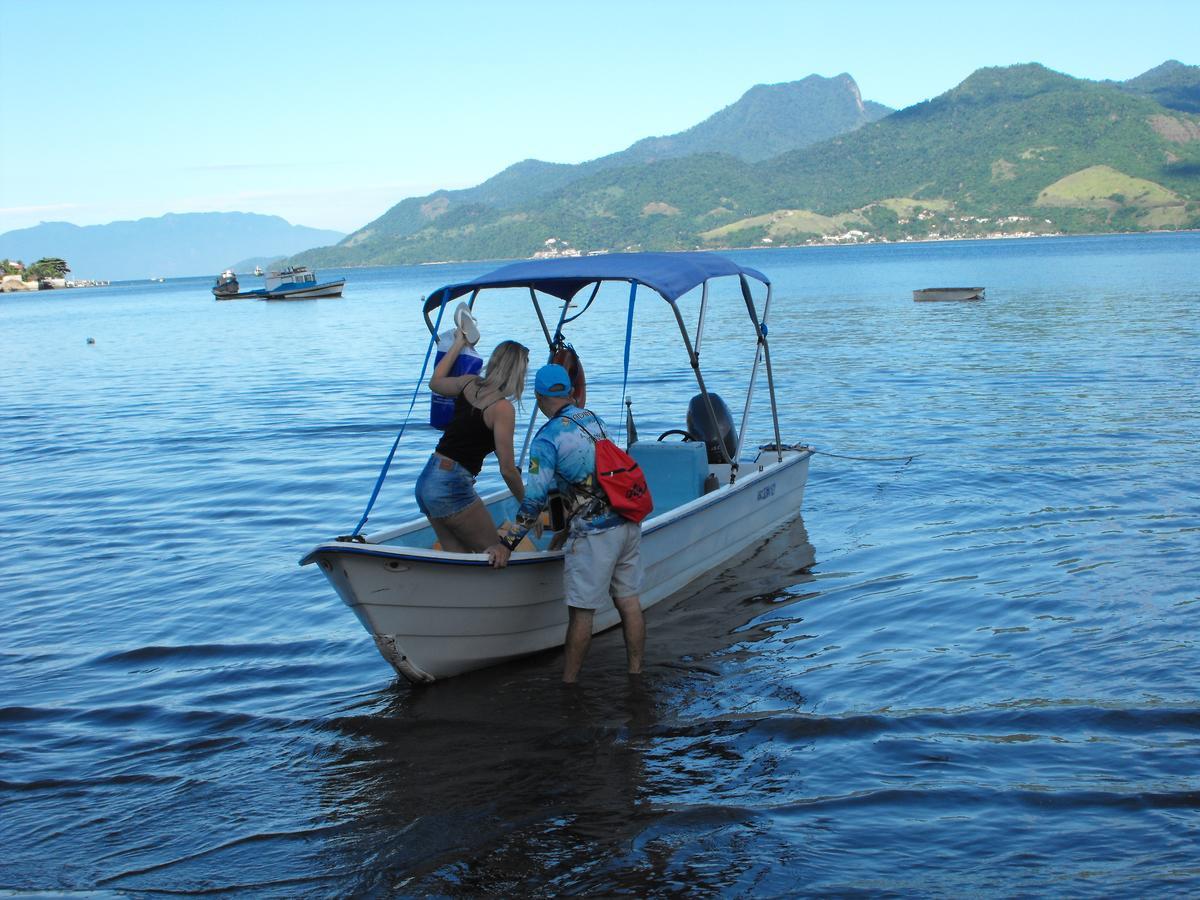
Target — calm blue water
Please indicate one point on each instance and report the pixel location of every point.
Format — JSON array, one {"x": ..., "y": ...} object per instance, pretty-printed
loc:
[{"x": 977, "y": 673}]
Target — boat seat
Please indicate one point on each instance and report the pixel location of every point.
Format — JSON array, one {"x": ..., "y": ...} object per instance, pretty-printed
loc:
[{"x": 675, "y": 471}]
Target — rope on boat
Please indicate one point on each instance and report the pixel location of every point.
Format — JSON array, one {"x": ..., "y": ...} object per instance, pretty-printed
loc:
[
  {"x": 907, "y": 459},
  {"x": 416, "y": 391}
]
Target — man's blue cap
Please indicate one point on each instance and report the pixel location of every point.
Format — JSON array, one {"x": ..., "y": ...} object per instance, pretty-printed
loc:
[{"x": 552, "y": 381}]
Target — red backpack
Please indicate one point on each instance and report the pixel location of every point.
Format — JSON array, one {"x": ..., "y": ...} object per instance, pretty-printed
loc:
[{"x": 620, "y": 477}]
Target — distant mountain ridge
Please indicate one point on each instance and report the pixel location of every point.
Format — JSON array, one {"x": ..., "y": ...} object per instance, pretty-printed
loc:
[
  {"x": 1019, "y": 149},
  {"x": 1172, "y": 85},
  {"x": 992, "y": 143},
  {"x": 171, "y": 245},
  {"x": 768, "y": 120},
  {"x": 765, "y": 121}
]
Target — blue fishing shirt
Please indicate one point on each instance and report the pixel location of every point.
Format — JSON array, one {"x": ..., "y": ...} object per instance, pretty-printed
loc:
[{"x": 563, "y": 457}]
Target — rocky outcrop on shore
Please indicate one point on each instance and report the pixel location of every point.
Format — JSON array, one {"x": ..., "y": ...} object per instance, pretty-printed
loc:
[{"x": 12, "y": 283}]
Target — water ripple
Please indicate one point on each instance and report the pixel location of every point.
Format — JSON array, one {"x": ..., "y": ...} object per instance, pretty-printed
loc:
[{"x": 971, "y": 674}]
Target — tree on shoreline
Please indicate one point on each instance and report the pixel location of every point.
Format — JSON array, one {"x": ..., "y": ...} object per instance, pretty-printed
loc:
[{"x": 48, "y": 267}]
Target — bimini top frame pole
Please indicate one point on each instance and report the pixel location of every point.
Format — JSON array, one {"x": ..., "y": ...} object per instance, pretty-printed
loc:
[
  {"x": 671, "y": 275},
  {"x": 700, "y": 318},
  {"x": 694, "y": 358},
  {"x": 760, "y": 351},
  {"x": 551, "y": 345}
]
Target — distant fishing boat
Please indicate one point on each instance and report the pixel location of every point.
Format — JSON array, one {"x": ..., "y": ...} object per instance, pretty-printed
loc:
[
  {"x": 948, "y": 293},
  {"x": 226, "y": 287},
  {"x": 292, "y": 283},
  {"x": 299, "y": 283},
  {"x": 258, "y": 271}
]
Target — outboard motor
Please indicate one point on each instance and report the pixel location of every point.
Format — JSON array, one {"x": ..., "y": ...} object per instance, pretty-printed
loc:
[{"x": 701, "y": 427}]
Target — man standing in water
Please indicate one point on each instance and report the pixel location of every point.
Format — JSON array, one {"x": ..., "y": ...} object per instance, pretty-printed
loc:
[{"x": 603, "y": 560}]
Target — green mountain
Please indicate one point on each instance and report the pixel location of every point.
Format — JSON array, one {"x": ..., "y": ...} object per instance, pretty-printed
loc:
[
  {"x": 766, "y": 121},
  {"x": 990, "y": 146},
  {"x": 1015, "y": 150},
  {"x": 1172, "y": 85}
]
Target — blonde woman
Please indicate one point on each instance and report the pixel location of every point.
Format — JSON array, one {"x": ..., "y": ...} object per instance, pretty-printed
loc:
[{"x": 484, "y": 422}]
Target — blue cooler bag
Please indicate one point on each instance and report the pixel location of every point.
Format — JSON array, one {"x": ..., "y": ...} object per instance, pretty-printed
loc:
[{"x": 441, "y": 409}]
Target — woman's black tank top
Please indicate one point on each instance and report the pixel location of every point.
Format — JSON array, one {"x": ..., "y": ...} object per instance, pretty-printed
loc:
[{"x": 467, "y": 439}]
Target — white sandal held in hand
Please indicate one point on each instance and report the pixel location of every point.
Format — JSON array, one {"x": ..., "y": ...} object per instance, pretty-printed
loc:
[{"x": 466, "y": 324}]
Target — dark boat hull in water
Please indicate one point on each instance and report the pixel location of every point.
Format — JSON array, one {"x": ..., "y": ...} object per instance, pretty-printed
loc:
[
  {"x": 227, "y": 287},
  {"x": 948, "y": 293}
]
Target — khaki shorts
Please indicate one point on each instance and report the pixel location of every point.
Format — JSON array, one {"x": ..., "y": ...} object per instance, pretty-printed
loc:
[{"x": 602, "y": 565}]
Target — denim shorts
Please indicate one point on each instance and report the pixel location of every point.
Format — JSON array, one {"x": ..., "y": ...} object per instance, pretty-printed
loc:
[{"x": 444, "y": 488}]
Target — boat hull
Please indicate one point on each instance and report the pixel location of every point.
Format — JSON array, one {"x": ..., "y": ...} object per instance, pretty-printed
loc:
[
  {"x": 306, "y": 291},
  {"x": 434, "y": 614},
  {"x": 242, "y": 295}
]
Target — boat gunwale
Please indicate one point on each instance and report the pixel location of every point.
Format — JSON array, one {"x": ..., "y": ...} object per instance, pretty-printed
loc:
[{"x": 445, "y": 557}]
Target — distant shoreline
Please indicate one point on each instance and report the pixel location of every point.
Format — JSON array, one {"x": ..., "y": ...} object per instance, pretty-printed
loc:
[
  {"x": 96, "y": 282},
  {"x": 803, "y": 246}
]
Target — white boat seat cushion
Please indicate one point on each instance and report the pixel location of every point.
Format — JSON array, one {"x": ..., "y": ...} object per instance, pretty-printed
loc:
[{"x": 675, "y": 471}]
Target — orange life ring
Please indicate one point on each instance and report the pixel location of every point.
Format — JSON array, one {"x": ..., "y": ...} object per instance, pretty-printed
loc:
[{"x": 566, "y": 357}]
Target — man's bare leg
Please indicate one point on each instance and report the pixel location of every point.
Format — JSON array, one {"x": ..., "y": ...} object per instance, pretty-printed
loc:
[
  {"x": 633, "y": 624},
  {"x": 579, "y": 637}
]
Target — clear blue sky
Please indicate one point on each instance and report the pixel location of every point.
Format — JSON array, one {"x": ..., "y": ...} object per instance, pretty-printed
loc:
[{"x": 329, "y": 113}]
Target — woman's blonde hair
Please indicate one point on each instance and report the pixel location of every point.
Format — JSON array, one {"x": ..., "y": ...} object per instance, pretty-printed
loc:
[{"x": 506, "y": 369}]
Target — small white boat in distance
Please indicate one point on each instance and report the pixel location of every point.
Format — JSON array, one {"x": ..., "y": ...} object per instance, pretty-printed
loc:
[
  {"x": 299, "y": 283},
  {"x": 434, "y": 614},
  {"x": 948, "y": 293}
]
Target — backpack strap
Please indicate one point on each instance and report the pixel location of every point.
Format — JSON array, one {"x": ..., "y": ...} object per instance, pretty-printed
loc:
[
  {"x": 601, "y": 496},
  {"x": 576, "y": 423}
]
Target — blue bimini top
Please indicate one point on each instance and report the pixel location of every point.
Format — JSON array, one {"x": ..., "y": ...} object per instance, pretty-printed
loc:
[{"x": 671, "y": 275}]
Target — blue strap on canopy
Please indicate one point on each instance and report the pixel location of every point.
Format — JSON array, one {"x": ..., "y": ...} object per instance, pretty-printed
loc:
[
  {"x": 628, "y": 339},
  {"x": 387, "y": 463}
]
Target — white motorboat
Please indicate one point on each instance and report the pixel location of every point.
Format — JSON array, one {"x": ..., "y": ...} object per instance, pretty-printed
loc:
[
  {"x": 299, "y": 283},
  {"x": 291, "y": 283},
  {"x": 434, "y": 614}
]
